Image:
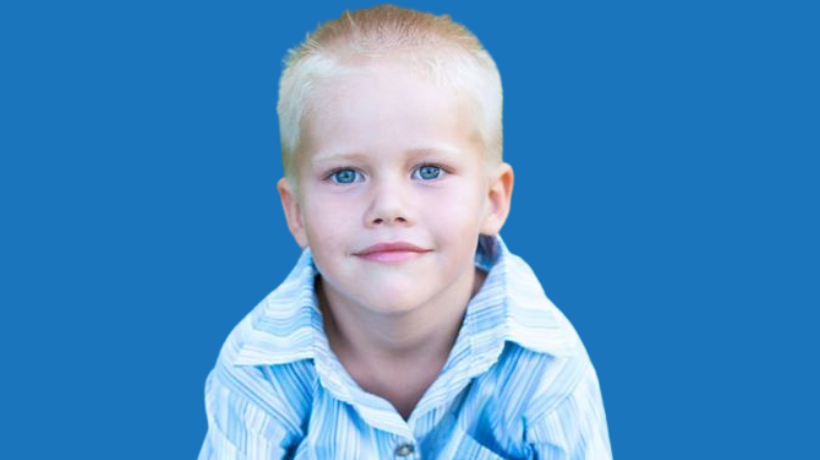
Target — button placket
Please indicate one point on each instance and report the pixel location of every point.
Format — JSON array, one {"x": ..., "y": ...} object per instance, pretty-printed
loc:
[{"x": 405, "y": 450}]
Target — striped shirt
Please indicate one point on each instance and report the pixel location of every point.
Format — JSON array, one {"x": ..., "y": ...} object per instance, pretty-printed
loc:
[{"x": 518, "y": 383}]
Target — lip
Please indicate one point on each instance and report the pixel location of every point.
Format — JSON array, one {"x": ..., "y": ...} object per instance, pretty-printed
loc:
[{"x": 393, "y": 252}]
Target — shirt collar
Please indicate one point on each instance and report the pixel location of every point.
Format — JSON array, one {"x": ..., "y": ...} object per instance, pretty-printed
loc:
[{"x": 510, "y": 306}]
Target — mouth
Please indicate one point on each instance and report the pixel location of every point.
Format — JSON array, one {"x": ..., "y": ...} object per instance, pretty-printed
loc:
[{"x": 396, "y": 252}]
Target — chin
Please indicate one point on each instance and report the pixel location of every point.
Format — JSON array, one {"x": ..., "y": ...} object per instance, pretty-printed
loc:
[{"x": 394, "y": 306}]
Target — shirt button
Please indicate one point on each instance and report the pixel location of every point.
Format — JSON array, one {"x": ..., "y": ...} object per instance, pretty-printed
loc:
[{"x": 403, "y": 450}]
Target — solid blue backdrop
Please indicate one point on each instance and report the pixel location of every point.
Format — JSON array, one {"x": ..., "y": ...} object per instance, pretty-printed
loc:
[{"x": 666, "y": 195}]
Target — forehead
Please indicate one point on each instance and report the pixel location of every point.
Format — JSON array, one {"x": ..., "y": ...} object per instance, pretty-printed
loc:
[{"x": 388, "y": 109}]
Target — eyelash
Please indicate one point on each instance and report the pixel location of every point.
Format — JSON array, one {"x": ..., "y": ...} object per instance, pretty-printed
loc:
[{"x": 329, "y": 176}]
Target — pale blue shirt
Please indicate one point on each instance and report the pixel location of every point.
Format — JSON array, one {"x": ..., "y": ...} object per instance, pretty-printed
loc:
[{"x": 518, "y": 383}]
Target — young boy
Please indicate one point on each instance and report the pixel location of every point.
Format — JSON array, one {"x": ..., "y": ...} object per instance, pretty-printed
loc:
[{"x": 406, "y": 329}]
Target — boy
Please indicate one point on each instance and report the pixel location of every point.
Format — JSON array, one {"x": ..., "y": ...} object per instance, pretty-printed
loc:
[{"x": 406, "y": 329}]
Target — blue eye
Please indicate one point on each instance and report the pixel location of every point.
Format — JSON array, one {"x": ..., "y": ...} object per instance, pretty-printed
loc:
[
  {"x": 344, "y": 176},
  {"x": 429, "y": 172}
]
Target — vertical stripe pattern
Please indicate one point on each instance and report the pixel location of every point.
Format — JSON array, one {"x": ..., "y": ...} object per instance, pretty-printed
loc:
[{"x": 518, "y": 383}]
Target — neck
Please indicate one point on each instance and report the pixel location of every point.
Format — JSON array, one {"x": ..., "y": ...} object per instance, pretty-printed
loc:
[
  {"x": 358, "y": 334},
  {"x": 378, "y": 349}
]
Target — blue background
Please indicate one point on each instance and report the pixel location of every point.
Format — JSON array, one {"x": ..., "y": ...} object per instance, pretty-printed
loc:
[{"x": 666, "y": 195}]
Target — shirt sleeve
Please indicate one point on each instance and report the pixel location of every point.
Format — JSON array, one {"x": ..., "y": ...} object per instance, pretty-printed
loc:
[
  {"x": 240, "y": 425},
  {"x": 574, "y": 428}
]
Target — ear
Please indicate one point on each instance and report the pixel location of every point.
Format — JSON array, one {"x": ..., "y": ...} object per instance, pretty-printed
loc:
[
  {"x": 293, "y": 211},
  {"x": 499, "y": 195}
]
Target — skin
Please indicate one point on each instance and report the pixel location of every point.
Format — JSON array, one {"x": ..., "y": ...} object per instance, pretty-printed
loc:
[{"x": 377, "y": 128}]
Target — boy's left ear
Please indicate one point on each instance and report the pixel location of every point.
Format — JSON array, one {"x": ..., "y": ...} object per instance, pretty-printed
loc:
[{"x": 499, "y": 195}]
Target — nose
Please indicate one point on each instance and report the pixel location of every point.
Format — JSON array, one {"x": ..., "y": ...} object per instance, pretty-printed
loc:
[{"x": 389, "y": 205}]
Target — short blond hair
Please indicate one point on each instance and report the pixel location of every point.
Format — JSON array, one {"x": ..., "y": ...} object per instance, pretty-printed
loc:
[{"x": 436, "y": 46}]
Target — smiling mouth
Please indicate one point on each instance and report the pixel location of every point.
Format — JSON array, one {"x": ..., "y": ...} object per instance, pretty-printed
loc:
[{"x": 392, "y": 252}]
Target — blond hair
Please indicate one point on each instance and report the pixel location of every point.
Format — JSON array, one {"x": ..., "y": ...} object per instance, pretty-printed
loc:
[{"x": 442, "y": 50}]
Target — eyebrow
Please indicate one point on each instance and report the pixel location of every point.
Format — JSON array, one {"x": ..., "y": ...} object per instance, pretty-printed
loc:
[{"x": 325, "y": 157}]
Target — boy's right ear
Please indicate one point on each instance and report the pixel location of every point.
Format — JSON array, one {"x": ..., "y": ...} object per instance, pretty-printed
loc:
[{"x": 293, "y": 212}]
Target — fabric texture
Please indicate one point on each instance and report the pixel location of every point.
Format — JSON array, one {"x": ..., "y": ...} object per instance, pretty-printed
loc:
[{"x": 518, "y": 383}]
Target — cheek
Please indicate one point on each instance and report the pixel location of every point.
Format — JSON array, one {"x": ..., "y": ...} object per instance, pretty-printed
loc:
[
  {"x": 458, "y": 206},
  {"x": 327, "y": 218}
]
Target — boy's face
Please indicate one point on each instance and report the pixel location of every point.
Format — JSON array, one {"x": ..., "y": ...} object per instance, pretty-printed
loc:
[{"x": 386, "y": 158}]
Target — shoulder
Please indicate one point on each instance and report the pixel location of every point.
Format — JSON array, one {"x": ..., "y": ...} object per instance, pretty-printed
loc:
[
  {"x": 255, "y": 411},
  {"x": 566, "y": 415},
  {"x": 280, "y": 392},
  {"x": 520, "y": 390},
  {"x": 259, "y": 395},
  {"x": 545, "y": 355},
  {"x": 537, "y": 353},
  {"x": 544, "y": 350},
  {"x": 530, "y": 383},
  {"x": 556, "y": 400},
  {"x": 543, "y": 388},
  {"x": 536, "y": 402},
  {"x": 258, "y": 383}
]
